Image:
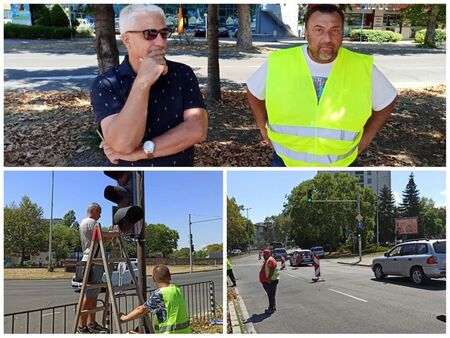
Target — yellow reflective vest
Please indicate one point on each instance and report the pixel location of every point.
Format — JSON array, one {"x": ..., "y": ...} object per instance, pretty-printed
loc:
[
  {"x": 177, "y": 320},
  {"x": 276, "y": 273},
  {"x": 308, "y": 132}
]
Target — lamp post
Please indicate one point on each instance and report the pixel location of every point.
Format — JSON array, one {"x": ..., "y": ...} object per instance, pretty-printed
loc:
[
  {"x": 50, "y": 267},
  {"x": 248, "y": 231},
  {"x": 191, "y": 243}
]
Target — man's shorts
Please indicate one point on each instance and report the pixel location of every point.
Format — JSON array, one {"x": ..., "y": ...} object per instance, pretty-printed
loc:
[{"x": 95, "y": 277}]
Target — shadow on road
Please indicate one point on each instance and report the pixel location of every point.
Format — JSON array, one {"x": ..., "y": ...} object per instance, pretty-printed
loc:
[
  {"x": 257, "y": 318},
  {"x": 432, "y": 285}
]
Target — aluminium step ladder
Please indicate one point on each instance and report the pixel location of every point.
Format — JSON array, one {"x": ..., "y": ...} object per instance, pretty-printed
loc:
[{"x": 111, "y": 320}]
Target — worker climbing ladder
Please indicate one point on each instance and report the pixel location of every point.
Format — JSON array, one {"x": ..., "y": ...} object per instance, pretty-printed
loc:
[{"x": 119, "y": 255}]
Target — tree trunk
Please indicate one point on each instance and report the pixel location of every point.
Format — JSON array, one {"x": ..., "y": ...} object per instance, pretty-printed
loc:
[
  {"x": 213, "y": 54},
  {"x": 244, "y": 34},
  {"x": 105, "y": 37},
  {"x": 430, "y": 34}
]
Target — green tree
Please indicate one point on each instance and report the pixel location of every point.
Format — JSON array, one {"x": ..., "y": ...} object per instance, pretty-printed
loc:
[
  {"x": 386, "y": 215},
  {"x": 211, "y": 248},
  {"x": 201, "y": 254},
  {"x": 40, "y": 15},
  {"x": 329, "y": 223},
  {"x": 181, "y": 253},
  {"x": 69, "y": 218},
  {"x": 237, "y": 226},
  {"x": 24, "y": 229},
  {"x": 58, "y": 16},
  {"x": 64, "y": 241},
  {"x": 278, "y": 228},
  {"x": 159, "y": 237},
  {"x": 432, "y": 224},
  {"x": 410, "y": 207}
]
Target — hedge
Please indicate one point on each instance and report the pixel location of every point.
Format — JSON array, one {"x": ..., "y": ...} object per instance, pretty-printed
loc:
[
  {"x": 370, "y": 35},
  {"x": 440, "y": 36},
  {"x": 13, "y": 31}
]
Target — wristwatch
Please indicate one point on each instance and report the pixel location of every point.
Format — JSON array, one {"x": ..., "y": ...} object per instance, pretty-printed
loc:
[{"x": 149, "y": 148}]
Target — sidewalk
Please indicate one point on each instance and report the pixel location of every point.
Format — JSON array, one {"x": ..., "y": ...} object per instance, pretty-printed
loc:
[{"x": 366, "y": 260}]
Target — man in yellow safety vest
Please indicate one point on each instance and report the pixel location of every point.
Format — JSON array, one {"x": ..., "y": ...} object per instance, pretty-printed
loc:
[
  {"x": 166, "y": 305},
  {"x": 319, "y": 104},
  {"x": 268, "y": 276}
]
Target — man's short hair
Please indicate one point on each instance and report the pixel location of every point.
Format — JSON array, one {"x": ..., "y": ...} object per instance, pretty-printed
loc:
[
  {"x": 128, "y": 13},
  {"x": 323, "y": 8},
  {"x": 161, "y": 273},
  {"x": 94, "y": 206}
]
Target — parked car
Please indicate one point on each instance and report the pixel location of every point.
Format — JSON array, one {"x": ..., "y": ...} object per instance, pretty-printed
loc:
[
  {"x": 278, "y": 252},
  {"x": 418, "y": 259},
  {"x": 120, "y": 275},
  {"x": 300, "y": 256},
  {"x": 236, "y": 251},
  {"x": 318, "y": 251},
  {"x": 274, "y": 245},
  {"x": 200, "y": 31}
]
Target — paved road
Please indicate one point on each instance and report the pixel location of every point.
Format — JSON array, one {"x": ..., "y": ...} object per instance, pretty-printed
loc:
[
  {"x": 45, "y": 68},
  {"x": 350, "y": 300}
]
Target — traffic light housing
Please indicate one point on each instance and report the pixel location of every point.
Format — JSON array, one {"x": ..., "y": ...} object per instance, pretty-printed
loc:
[
  {"x": 192, "y": 248},
  {"x": 309, "y": 196},
  {"x": 125, "y": 214}
]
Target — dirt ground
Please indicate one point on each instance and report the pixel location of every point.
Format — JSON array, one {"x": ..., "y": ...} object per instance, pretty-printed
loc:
[{"x": 58, "y": 129}]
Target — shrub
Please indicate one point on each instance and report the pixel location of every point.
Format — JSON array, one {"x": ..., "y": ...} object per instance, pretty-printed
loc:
[
  {"x": 59, "y": 17},
  {"x": 440, "y": 36},
  {"x": 370, "y": 35},
  {"x": 13, "y": 31},
  {"x": 83, "y": 33}
]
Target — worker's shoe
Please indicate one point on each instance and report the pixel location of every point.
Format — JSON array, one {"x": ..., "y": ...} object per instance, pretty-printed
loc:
[
  {"x": 97, "y": 328},
  {"x": 83, "y": 330}
]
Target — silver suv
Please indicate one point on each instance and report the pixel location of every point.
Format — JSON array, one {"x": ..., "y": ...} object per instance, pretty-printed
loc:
[{"x": 419, "y": 259}]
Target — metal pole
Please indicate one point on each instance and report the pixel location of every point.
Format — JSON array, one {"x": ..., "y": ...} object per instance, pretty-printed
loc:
[
  {"x": 359, "y": 236},
  {"x": 50, "y": 267},
  {"x": 378, "y": 231},
  {"x": 190, "y": 245},
  {"x": 138, "y": 200}
]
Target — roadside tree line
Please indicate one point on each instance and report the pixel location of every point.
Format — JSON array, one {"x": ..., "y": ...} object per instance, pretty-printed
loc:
[{"x": 26, "y": 233}]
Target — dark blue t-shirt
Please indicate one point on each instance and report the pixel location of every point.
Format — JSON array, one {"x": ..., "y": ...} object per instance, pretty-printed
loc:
[{"x": 169, "y": 97}]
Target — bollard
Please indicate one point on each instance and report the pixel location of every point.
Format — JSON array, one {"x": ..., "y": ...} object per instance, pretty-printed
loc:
[{"x": 316, "y": 266}]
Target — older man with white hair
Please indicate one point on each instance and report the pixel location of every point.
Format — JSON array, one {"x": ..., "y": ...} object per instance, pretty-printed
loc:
[{"x": 150, "y": 109}]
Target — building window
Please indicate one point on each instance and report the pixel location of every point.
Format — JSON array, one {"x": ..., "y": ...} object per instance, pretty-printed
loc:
[
  {"x": 369, "y": 181},
  {"x": 391, "y": 20}
]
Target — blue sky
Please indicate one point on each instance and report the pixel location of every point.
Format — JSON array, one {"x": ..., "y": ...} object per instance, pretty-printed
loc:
[
  {"x": 170, "y": 196},
  {"x": 264, "y": 191}
]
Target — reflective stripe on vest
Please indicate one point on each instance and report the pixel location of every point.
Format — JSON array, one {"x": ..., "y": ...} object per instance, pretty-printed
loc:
[
  {"x": 308, "y": 132},
  {"x": 173, "y": 327},
  {"x": 331, "y": 134}
]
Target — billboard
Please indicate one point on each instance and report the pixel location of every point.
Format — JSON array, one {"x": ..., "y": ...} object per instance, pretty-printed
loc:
[
  {"x": 21, "y": 14},
  {"x": 407, "y": 226}
]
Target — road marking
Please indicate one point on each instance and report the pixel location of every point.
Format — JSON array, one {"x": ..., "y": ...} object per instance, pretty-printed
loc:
[{"x": 346, "y": 294}]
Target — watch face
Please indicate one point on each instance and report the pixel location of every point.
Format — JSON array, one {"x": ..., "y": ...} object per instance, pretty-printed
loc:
[{"x": 149, "y": 146}]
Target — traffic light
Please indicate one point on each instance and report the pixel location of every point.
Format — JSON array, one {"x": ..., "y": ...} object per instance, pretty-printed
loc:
[
  {"x": 309, "y": 196},
  {"x": 192, "y": 248},
  {"x": 125, "y": 214}
]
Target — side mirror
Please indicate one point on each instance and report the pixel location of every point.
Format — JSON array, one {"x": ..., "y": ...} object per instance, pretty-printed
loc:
[{"x": 386, "y": 254}]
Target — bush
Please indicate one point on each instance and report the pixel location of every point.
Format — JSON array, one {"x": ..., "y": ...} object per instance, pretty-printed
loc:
[
  {"x": 83, "y": 33},
  {"x": 371, "y": 248},
  {"x": 13, "y": 31},
  {"x": 440, "y": 36},
  {"x": 59, "y": 17},
  {"x": 370, "y": 35}
]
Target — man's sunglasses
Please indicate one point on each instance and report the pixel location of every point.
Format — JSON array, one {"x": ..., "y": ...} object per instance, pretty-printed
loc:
[{"x": 151, "y": 34}]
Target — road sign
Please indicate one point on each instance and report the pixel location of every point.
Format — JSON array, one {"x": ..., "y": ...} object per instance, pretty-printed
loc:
[
  {"x": 360, "y": 224},
  {"x": 359, "y": 218}
]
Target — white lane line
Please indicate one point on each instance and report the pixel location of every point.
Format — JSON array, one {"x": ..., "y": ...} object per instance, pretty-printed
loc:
[{"x": 346, "y": 294}]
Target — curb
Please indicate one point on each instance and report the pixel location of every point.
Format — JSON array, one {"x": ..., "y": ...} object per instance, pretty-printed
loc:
[
  {"x": 249, "y": 328},
  {"x": 233, "y": 318}
]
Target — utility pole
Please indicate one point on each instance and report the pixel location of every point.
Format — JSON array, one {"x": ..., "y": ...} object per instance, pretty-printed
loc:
[
  {"x": 50, "y": 266},
  {"x": 248, "y": 231}
]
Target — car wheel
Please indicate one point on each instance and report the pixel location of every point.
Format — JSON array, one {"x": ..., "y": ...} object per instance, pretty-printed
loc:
[
  {"x": 378, "y": 271},
  {"x": 417, "y": 275}
]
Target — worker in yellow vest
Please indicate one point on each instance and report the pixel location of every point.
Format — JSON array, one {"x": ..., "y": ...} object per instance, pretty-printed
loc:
[
  {"x": 268, "y": 276},
  {"x": 230, "y": 273},
  {"x": 166, "y": 305},
  {"x": 319, "y": 104}
]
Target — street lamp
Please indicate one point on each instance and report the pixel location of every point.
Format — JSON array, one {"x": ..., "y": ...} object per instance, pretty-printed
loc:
[
  {"x": 248, "y": 231},
  {"x": 50, "y": 267},
  {"x": 191, "y": 242}
]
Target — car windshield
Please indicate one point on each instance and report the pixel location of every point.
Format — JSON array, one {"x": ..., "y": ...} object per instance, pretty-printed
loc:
[
  {"x": 439, "y": 247},
  {"x": 280, "y": 251}
]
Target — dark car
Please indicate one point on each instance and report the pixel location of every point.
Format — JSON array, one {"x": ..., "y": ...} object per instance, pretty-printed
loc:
[{"x": 200, "y": 32}]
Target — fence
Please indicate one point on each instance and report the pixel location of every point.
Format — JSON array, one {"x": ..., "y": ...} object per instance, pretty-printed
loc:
[{"x": 199, "y": 299}]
